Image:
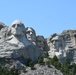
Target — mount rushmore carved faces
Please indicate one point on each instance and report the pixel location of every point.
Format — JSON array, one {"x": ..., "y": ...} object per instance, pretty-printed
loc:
[
  {"x": 31, "y": 35},
  {"x": 17, "y": 28},
  {"x": 16, "y": 45},
  {"x": 57, "y": 42},
  {"x": 16, "y": 32},
  {"x": 40, "y": 42},
  {"x": 56, "y": 46}
]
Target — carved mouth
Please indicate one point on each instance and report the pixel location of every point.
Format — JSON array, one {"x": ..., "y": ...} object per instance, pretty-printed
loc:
[{"x": 30, "y": 37}]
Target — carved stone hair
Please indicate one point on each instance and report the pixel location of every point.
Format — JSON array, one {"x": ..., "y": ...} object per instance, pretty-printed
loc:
[{"x": 31, "y": 30}]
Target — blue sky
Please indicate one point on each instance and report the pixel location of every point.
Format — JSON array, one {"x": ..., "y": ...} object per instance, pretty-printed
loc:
[{"x": 45, "y": 16}]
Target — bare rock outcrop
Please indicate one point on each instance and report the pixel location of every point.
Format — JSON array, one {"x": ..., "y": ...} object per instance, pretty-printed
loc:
[
  {"x": 18, "y": 41},
  {"x": 63, "y": 45},
  {"x": 2, "y": 25},
  {"x": 14, "y": 44}
]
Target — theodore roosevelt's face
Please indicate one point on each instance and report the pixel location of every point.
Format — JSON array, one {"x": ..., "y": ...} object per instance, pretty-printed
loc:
[{"x": 40, "y": 41}]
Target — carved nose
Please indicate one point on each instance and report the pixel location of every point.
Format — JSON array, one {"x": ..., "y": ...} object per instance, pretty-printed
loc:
[
  {"x": 42, "y": 44},
  {"x": 30, "y": 33},
  {"x": 53, "y": 42},
  {"x": 16, "y": 26}
]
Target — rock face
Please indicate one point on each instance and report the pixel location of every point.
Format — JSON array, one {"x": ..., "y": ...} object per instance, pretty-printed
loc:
[
  {"x": 70, "y": 40},
  {"x": 14, "y": 44},
  {"x": 18, "y": 41},
  {"x": 2, "y": 25},
  {"x": 56, "y": 46},
  {"x": 40, "y": 42},
  {"x": 42, "y": 70},
  {"x": 63, "y": 45},
  {"x": 31, "y": 35}
]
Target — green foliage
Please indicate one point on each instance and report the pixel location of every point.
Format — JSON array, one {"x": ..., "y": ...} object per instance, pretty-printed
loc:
[
  {"x": 48, "y": 62},
  {"x": 47, "y": 55},
  {"x": 52, "y": 61},
  {"x": 67, "y": 61},
  {"x": 58, "y": 65},
  {"x": 40, "y": 60},
  {"x": 55, "y": 59},
  {"x": 68, "y": 69},
  {"x": 6, "y": 71},
  {"x": 74, "y": 65},
  {"x": 24, "y": 68},
  {"x": 31, "y": 64},
  {"x": 72, "y": 71},
  {"x": 65, "y": 67}
]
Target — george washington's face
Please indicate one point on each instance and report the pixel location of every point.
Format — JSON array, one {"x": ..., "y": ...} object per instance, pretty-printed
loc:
[
  {"x": 30, "y": 34},
  {"x": 17, "y": 28}
]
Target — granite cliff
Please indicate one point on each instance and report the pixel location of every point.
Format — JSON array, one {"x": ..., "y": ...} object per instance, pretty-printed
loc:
[{"x": 18, "y": 41}]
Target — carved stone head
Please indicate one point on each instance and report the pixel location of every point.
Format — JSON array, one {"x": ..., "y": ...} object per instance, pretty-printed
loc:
[
  {"x": 30, "y": 34},
  {"x": 40, "y": 42},
  {"x": 16, "y": 28},
  {"x": 57, "y": 42}
]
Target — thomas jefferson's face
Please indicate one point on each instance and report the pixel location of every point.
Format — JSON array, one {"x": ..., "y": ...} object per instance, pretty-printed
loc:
[
  {"x": 17, "y": 28},
  {"x": 30, "y": 34}
]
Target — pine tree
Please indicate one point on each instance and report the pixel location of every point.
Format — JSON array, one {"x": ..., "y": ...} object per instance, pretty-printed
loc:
[
  {"x": 40, "y": 60},
  {"x": 31, "y": 64},
  {"x": 55, "y": 58},
  {"x": 48, "y": 62},
  {"x": 24, "y": 68}
]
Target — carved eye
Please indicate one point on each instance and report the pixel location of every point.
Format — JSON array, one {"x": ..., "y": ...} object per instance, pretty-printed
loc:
[
  {"x": 13, "y": 25},
  {"x": 39, "y": 41},
  {"x": 19, "y": 25},
  {"x": 28, "y": 32}
]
